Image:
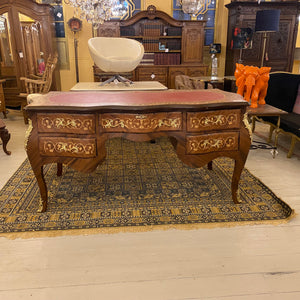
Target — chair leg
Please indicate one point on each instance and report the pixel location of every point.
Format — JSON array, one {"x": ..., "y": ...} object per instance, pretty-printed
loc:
[
  {"x": 291, "y": 150},
  {"x": 108, "y": 80},
  {"x": 124, "y": 80},
  {"x": 253, "y": 119},
  {"x": 270, "y": 134}
]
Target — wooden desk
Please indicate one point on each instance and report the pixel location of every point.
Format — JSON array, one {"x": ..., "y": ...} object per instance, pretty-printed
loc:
[{"x": 71, "y": 127}]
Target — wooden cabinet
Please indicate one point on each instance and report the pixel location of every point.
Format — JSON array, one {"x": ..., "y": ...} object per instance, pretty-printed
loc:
[
  {"x": 280, "y": 45},
  {"x": 25, "y": 37},
  {"x": 184, "y": 41}
]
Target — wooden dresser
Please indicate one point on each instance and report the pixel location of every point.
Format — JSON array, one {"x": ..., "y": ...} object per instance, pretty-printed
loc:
[{"x": 71, "y": 128}]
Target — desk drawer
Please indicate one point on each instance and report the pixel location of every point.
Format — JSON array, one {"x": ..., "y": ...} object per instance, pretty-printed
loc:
[
  {"x": 141, "y": 123},
  {"x": 67, "y": 147},
  {"x": 66, "y": 123},
  {"x": 213, "y": 120},
  {"x": 206, "y": 143}
]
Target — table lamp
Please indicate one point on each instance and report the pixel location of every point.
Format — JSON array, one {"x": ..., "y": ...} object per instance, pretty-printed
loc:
[{"x": 266, "y": 21}]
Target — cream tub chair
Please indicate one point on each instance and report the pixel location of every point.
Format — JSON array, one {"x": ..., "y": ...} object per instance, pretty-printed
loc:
[{"x": 116, "y": 55}]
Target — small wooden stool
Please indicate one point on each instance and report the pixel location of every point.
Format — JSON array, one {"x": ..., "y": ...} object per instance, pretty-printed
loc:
[{"x": 5, "y": 136}]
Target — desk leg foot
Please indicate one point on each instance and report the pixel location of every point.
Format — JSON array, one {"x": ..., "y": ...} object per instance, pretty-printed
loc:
[
  {"x": 238, "y": 168},
  {"x": 5, "y": 137}
]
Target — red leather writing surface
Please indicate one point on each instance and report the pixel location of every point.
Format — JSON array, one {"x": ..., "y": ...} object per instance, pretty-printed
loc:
[{"x": 138, "y": 98}]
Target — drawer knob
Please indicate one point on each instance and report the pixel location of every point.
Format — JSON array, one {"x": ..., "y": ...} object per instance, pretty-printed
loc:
[{"x": 152, "y": 76}]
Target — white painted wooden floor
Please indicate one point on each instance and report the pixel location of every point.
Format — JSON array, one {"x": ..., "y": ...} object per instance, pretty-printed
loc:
[{"x": 239, "y": 263}]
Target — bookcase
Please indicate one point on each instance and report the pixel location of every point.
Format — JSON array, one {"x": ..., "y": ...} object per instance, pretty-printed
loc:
[{"x": 172, "y": 47}]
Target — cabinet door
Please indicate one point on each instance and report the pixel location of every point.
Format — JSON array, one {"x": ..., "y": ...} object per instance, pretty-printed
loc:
[{"x": 192, "y": 43}]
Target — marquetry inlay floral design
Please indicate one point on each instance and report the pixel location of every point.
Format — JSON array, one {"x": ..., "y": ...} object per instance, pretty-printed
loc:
[
  {"x": 196, "y": 145},
  {"x": 197, "y": 122},
  {"x": 69, "y": 123},
  {"x": 141, "y": 123},
  {"x": 69, "y": 147}
]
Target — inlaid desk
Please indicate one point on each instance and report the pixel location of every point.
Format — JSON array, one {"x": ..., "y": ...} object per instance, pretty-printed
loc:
[{"x": 71, "y": 128}]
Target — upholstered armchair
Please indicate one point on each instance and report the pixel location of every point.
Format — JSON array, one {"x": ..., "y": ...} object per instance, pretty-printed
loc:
[
  {"x": 184, "y": 82},
  {"x": 116, "y": 55}
]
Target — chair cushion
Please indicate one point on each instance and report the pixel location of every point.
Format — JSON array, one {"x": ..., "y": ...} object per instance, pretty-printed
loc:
[{"x": 291, "y": 123}]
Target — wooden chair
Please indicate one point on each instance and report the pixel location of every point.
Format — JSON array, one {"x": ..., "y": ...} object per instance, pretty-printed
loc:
[{"x": 38, "y": 84}]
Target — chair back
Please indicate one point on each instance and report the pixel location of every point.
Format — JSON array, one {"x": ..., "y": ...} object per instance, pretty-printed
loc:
[
  {"x": 116, "y": 54},
  {"x": 184, "y": 82},
  {"x": 47, "y": 75},
  {"x": 282, "y": 90}
]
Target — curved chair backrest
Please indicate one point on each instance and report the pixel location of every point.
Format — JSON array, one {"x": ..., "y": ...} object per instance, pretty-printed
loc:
[
  {"x": 116, "y": 54},
  {"x": 282, "y": 86},
  {"x": 47, "y": 76}
]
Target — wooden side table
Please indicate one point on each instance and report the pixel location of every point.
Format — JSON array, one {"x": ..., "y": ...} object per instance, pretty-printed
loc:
[
  {"x": 5, "y": 136},
  {"x": 2, "y": 100}
]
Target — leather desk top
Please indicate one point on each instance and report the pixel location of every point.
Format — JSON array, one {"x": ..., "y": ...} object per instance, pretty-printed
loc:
[{"x": 134, "y": 99}]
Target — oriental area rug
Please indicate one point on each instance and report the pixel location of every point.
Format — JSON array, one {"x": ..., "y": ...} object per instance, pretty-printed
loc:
[{"x": 139, "y": 186}]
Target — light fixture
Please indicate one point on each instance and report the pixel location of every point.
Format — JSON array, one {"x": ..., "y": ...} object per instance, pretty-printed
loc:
[
  {"x": 266, "y": 21},
  {"x": 97, "y": 12},
  {"x": 190, "y": 7}
]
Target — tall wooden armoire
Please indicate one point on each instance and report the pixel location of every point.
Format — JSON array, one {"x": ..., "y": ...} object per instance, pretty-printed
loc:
[
  {"x": 280, "y": 46},
  {"x": 26, "y": 36}
]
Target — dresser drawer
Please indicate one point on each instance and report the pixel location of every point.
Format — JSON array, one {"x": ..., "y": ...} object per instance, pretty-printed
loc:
[
  {"x": 67, "y": 123},
  {"x": 141, "y": 123},
  {"x": 213, "y": 120},
  {"x": 206, "y": 143},
  {"x": 154, "y": 73},
  {"x": 152, "y": 70},
  {"x": 67, "y": 147}
]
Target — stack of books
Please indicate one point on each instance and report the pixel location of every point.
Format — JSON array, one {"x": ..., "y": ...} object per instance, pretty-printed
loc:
[
  {"x": 148, "y": 59},
  {"x": 167, "y": 58},
  {"x": 152, "y": 29},
  {"x": 151, "y": 45}
]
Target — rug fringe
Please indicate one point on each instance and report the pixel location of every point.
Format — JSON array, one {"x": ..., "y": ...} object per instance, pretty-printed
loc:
[{"x": 135, "y": 229}]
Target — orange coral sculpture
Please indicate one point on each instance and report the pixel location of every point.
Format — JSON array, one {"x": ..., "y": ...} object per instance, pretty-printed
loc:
[{"x": 252, "y": 83}]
